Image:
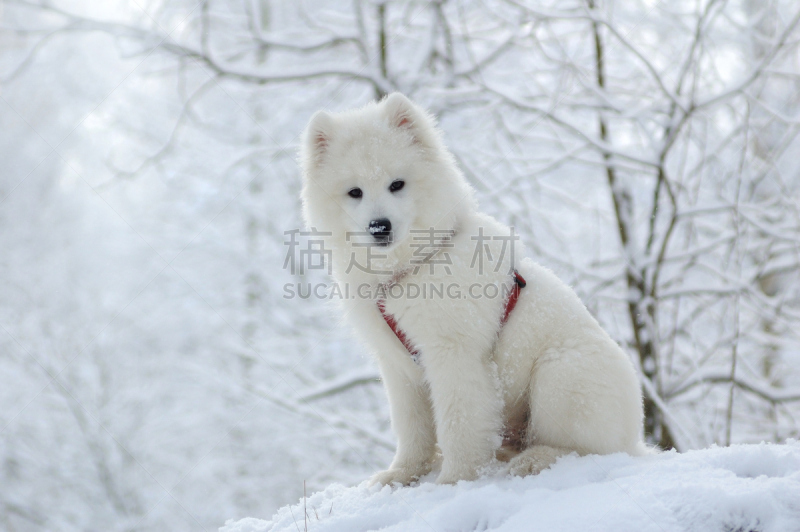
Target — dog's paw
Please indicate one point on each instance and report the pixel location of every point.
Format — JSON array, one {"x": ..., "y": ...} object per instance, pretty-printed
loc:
[
  {"x": 400, "y": 476},
  {"x": 451, "y": 476},
  {"x": 534, "y": 460}
]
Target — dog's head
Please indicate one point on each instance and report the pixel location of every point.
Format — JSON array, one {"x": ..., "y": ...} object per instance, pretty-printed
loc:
[{"x": 380, "y": 175}]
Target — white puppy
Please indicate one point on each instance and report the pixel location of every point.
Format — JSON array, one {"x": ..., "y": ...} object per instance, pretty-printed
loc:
[{"x": 430, "y": 281}]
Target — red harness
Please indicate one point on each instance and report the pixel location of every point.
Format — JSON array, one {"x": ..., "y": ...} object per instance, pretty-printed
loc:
[{"x": 519, "y": 284}]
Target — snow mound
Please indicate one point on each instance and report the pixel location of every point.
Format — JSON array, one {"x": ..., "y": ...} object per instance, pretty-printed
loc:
[{"x": 743, "y": 488}]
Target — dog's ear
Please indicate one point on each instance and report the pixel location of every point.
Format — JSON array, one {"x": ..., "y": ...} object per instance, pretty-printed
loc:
[
  {"x": 403, "y": 114},
  {"x": 318, "y": 138},
  {"x": 399, "y": 111}
]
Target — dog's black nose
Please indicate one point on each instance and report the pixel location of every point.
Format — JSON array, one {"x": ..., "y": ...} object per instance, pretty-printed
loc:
[{"x": 381, "y": 230}]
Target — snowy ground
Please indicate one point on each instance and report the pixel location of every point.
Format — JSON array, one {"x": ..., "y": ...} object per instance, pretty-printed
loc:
[{"x": 742, "y": 488}]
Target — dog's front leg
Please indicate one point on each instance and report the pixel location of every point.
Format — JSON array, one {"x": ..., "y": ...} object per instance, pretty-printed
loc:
[
  {"x": 412, "y": 422},
  {"x": 467, "y": 409}
]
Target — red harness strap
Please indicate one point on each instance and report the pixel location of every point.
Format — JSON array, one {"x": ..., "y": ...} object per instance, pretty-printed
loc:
[
  {"x": 413, "y": 351},
  {"x": 519, "y": 284},
  {"x": 511, "y": 302}
]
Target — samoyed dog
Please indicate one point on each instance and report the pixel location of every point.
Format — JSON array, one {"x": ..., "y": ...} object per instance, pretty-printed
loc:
[{"x": 484, "y": 354}]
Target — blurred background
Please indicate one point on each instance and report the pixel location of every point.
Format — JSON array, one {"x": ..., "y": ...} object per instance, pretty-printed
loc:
[{"x": 152, "y": 374}]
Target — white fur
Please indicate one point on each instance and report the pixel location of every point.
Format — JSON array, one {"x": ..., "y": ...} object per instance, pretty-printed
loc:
[{"x": 550, "y": 369}]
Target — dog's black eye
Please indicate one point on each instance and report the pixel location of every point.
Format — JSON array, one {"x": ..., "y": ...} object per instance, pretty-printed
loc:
[
  {"x": 355, "y": 193},
  {"x": 396, "y": 185}
]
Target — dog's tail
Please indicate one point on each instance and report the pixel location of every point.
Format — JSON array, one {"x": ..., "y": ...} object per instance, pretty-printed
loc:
[{"x": 642, "y": 449}]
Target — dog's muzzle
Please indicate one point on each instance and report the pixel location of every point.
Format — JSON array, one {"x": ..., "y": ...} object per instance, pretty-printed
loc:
[{"x": 381, "y": 231}]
